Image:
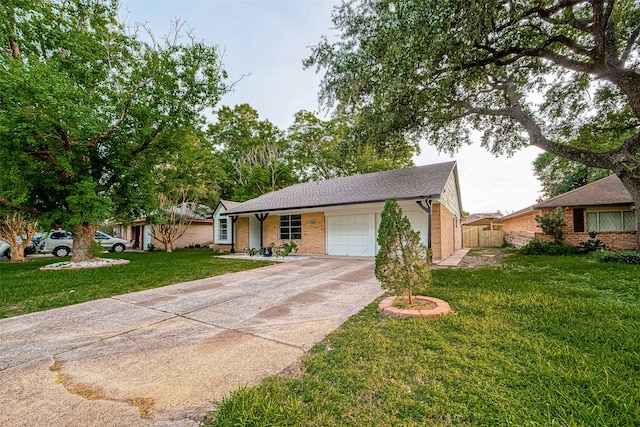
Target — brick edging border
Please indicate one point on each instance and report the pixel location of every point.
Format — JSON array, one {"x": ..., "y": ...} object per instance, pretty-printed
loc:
[{"x": 442, "y": 308}]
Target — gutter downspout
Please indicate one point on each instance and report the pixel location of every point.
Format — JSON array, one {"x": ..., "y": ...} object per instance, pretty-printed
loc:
[
  {"x": 261, "y": 218},
  {"x": 234, "y": 218}
]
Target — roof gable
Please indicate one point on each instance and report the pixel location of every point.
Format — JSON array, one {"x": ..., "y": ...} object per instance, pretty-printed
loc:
[
  {"x": 403, "y": 184},
  {"x": 605, "y": 191},
  {"x": 223, "y": 206}
]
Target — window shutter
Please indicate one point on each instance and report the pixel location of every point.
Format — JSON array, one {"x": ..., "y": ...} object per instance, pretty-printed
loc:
[{"x": 578, "y": 220}]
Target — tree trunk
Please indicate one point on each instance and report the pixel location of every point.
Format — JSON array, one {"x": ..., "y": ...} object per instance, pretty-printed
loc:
[
  {"x": 17, "y": 250},
  {"x": 83, "y": 235},
  {"x": 14, "y": 226}
]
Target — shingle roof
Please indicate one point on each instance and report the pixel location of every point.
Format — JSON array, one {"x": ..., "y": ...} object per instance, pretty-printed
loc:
[
  {"x": 481, "y": 218},
  {"x": 193, "y": 212},
  {"x": 228, "y": 204},
  {"x": 605, "y": 191},
  {"x": 518, "y": 213},
  {"x": 403, "y": 184}
]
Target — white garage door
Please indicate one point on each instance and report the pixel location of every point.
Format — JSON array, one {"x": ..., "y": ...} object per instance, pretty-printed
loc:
[{"x": 353, "y": 235}]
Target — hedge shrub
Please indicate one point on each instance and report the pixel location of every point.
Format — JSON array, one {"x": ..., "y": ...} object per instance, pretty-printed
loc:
[
  {"x": 536, "y": 247},
  {"x": 626, "y": 257}
]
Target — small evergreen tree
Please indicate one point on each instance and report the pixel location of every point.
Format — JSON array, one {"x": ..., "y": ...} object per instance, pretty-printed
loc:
[
  {"x": 402, "y": 261},
  {"x": 552, "y": 223}
]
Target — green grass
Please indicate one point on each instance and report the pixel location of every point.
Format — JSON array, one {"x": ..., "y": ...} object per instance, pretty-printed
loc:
[
  {"x": 538, "y": 341},
  {"x": 25, "y": 289}
]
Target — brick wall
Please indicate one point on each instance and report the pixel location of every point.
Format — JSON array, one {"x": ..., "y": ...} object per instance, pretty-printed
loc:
[
  {"x": 617, "y": 241},
  {"x": 313, "y": 233},
  {"x": 520, "y": 229},
  {"x": 196, "y": 234},
  {"x": 241, "y": 229},
  {"x": 436, "y": 233},
  {"x": 446, "y": 232}
]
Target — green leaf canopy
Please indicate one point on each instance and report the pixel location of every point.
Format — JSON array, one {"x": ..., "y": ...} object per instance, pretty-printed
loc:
[
  {"x": 563, "y": 75},
  {"x": 89, "y": 111}
]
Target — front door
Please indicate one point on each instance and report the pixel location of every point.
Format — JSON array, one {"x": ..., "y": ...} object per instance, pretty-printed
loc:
[{"x": 254, "y": 232}]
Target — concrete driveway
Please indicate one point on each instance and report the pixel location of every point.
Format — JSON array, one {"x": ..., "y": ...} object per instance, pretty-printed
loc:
[{"x": 159, "y": 357}]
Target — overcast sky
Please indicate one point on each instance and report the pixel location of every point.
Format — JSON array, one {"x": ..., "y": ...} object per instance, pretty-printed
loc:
[{"x": 266, "y": 41}]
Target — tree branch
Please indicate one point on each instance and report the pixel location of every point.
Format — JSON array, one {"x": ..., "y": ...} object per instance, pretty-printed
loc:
[
  {"x": 631, "y": 145},
  {"x": 607, "y": 13},
  {"x": 147, "y": 143},
  {"x": 46, "y": 156},
  {"x": 68, "y": 142},
  {"x": 123, "y": 115},
  {"x": 580, "y": 24},
  {"x": 542, "y": 12},
  {"x": 577, "y": 66},
  {"x": 629, "y": 47},
  {"x": 537, "y": 137},
  {"x": 508, "y": 56}
]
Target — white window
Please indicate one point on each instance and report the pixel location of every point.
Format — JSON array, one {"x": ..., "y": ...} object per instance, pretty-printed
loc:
[
  {"x": 611, "y": 221},
  {"x": 290, "y": 227},
  {"x": 223, "y": 230}
]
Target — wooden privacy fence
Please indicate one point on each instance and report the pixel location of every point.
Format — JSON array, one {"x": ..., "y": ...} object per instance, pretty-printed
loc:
[{"x": 476, "y": 237}]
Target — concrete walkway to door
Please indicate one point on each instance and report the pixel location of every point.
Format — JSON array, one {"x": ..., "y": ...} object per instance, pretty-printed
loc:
[{"x": 159, "y": 357}]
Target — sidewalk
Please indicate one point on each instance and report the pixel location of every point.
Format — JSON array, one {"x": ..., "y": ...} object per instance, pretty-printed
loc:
[{"x": 453, "y": 260}]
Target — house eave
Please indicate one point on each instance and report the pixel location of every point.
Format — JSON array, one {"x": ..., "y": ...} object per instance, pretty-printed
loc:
[{"x": 308, "y": 207}]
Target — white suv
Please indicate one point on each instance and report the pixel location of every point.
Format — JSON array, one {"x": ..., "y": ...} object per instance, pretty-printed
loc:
[{"x": 60, "y": 242}]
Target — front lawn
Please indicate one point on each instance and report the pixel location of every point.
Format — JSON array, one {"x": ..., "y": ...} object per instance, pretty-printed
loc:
[
  {"x": 537, "y": 341},
  {"x": 25, "y": 289}
]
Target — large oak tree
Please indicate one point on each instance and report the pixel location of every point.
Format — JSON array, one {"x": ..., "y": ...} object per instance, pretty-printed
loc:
[
  {"x": 563, "y": 75},
  {"x": 253, "y": 152},
  {"x": 324, "y": 149},
  {"x": 89, "y": 111},
  {"x": 559, "y": 175}
]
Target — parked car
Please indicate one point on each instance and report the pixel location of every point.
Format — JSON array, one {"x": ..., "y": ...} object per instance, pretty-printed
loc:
[
  {"x": 38, "y": 238},
  {"x": 5, "y": 249},
  {"x": 60, "y": 242}
]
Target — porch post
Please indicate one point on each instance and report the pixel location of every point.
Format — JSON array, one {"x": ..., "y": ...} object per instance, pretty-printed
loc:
[
  {"x": 234, "y": 218},
  {"x": 261, "y": 218}
]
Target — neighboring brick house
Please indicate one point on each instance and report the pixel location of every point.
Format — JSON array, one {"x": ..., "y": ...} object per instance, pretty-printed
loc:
[
  {"x": 604, "y": 207},
  {"x": 199, "y": 232},
  {"x": 341, "y": 216}
]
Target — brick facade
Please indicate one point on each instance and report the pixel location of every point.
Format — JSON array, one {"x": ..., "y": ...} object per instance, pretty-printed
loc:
[
  {"x": 200, "y": 233},
  {"x": 313, "y": 233},
  {"x": 520, "y": 229},
  {"x": 617, "y": 241},
  {"x": 241, "y": 228},
  {"x": 446, "y": 232}
]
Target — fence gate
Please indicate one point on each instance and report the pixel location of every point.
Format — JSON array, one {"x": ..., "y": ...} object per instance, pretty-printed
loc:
[{"x": 476, "y": 237}]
